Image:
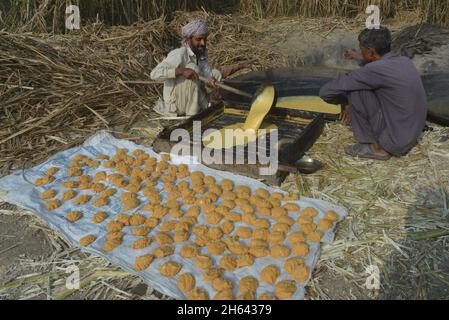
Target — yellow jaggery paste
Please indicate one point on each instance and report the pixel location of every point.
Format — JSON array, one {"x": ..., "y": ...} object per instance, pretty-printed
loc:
[
  {"x": 260, "y": 108},
  {"x": 244, "y": 133},
  {"x": 308, "y": 103},
  {"x": 235, "y": 135}
]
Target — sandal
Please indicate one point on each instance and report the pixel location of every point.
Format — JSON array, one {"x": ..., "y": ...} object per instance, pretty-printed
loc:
[{"x": 364, "y": 151}]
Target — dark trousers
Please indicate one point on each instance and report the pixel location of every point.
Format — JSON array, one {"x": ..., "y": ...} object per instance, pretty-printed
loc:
[{"x": 367, "y": 119}]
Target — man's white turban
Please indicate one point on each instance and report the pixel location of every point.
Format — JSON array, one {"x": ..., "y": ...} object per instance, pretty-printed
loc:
[{"x": 194, "y": 28}]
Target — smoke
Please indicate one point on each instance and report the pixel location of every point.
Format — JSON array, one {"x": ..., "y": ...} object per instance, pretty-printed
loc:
[{"x": 325, "y": 52}]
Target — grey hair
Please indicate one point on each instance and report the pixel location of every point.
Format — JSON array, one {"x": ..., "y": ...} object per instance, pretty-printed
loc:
[{"x": 378, "y": 39}]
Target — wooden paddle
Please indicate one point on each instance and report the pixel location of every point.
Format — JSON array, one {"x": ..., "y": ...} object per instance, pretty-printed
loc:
[{"x": 228, "y": 88}]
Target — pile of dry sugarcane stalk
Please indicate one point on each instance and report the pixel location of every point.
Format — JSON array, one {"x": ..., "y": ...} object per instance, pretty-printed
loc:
[
  {"x": 431, "y": 11},
  {"x": 49, "y": 16}
]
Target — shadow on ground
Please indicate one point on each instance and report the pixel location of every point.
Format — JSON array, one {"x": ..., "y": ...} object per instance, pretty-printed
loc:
[{"x": 419, "y": 268}]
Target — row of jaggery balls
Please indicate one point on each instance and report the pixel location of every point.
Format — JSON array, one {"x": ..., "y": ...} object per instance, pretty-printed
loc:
[
  {"x": 217, "y": 239},
  {"x": 224, "y": 287}
]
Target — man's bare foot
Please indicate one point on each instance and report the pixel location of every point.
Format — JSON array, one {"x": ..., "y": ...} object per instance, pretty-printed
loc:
[
  {"x": 367, "y": 151},
  {"x": 378, "y": 150}
]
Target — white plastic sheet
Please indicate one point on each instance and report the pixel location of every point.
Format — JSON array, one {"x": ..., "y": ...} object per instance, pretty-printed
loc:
[{"x": 18, "y": 189}]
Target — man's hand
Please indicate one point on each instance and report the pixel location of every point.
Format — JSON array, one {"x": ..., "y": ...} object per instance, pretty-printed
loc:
[
  {"x": 352, "y": 55},
  {"x": 345, "y": 116},
  {"x": 187, "y": 73},
  {"x": 211, "y": 83}
]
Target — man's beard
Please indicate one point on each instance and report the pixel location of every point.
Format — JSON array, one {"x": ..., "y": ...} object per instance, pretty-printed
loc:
[{"x": 198, "y": 50}]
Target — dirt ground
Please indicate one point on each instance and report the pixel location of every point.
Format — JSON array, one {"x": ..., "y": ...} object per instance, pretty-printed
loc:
[{"x": 33, "y": 257}]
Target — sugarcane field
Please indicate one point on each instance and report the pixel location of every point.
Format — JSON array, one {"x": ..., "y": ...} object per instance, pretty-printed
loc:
[{"x": 224, "y": 150}]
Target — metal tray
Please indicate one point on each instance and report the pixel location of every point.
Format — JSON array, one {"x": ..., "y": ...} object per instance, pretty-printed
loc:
[{"x": 296, "y": 137}]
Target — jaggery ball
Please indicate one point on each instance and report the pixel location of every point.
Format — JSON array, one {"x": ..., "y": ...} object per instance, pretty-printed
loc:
[
  {"x": 163, "y": 238},
  {"x": 82, "y": 199},
  {"x": 227, "y": 227},
  {"x": 163, "y": 251},
  {"x": 279, "y": 251},
  {"x": 276, "y": 237},
  {"x": 143, "y": 262},
  {"x": 296, "y": 237},
  {"x": 211, "y": 274},
  {"x": 170, "y": 269},
  {"x": 74, "y": 216},
  {"x": 315, "y": 236},
  {"x": 68, "y": 195},
  {"x": 140, "y": 231},
  {"x": 301, "y": 249},
  {"x": 227, "y": 185},
  {"x": 189, "y": 251},
  {"x": 220, "y": 284},
  {"x": 269, "y": 274},
  {"x": 285, "y": 289},
  {"x": 137, "y": 219},
  {"x": 325, "y": 224},
  {"x": 248, "y": 284},
  {"x": 203, "y": 262},
  {"x": 245, "y": 260},
  {"x": 301, "y": 274},
  {"x": 87, "y": 240},
  {"x": 293, "y": 264},
  {"x": 228, "y": 262},
  {"x": 331, "y": 216},
  {"x": 100, "y": 202},
  {"x": 110, "y": 245},
  {"x": 99, "y": 217},
  {"x": 309, "y": 212},
  {"x": 141, "y": 243},
  {"x": 216, "y": 248},
  {"x": 243, "y": 232},
  {"x": 186, "y": 282},
  {"x": 48, "y": 194}
]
